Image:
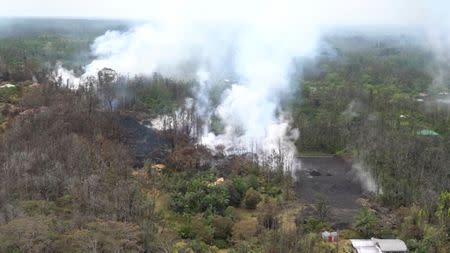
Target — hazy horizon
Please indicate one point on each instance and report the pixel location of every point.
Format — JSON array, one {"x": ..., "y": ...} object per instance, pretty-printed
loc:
[{"x": 348, "y": 12}]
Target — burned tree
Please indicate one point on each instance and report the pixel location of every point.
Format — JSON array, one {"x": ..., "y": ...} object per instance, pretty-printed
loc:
[{"x": 107, "y": 81}]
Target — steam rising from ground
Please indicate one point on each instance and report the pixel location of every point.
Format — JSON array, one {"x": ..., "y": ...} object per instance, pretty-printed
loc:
[
  {"x": 438, "y": 38},
  {"x": 366, "y": 178},
  {"x": 253, "y": 42},
  {"x": 258, "y": 53}
]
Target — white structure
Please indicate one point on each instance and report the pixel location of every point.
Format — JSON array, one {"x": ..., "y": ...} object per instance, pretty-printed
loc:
[
  {"x": 375, "y": 245},
  {"x": 8, "y": 85},
  {"x": 330, "y": 236}
]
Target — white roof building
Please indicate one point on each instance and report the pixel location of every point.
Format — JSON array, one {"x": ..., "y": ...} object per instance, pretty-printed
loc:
[
  {"x": 8, "y": 85},
  {"x": 391, "y": 245},
  {"x": 375, "y": 245}
]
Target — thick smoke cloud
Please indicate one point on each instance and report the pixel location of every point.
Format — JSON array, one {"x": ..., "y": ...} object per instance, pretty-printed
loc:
[
  {"x": 258, "y": 50},
  {"x": 252, "y": 42},
  {"x": 437, "y": 29}
]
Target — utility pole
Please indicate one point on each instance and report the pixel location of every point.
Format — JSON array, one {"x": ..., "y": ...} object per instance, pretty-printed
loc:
[{"x": 337, "y": 241}]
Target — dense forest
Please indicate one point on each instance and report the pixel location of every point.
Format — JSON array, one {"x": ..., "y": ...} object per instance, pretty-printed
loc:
[{"x": 82, "y": 171}]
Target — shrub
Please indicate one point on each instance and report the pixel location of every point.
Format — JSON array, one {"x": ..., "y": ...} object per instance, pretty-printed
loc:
[
  {"x": 39, "y": 207},
  {"x": 252, "y": 181},
  {"x": 196, "y": 228},
  {"x": 191, "y": 246},
  {"x": 244, "y": 230},
  {"x": 222, "y": 227},
  {"x": 235, "y": 195},
  {"x": 274, "y": 191},
  {"x": 268, "y": 221},
  {"x": 199, "y": 195},
  {"x": 178, "y": 202},
  {"x": 28, "y": 234},
  {"x": 220, "y": 243},
  {"x": 322, "y": 208},
  {"x": 313, "y": 225},
  {"x": 231, "y": 213},
  {"x": 348, "y": 234},
  {"x": 366, "y": 222},
  {"x": 252, "y": 199},
  {"x": 267, "y": 218},
  {"x": 111, "y": 236},
  {"x": 7, "y": 92},
  {"x": 185, "y": 231},
  {"x": 240, "y": 186}
]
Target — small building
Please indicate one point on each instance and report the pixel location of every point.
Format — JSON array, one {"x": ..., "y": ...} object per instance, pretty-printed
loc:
[
  {"x": 330, "y": 236},
  {"x": 427, "y": 132},
  {"x": 375, "y": 245}
]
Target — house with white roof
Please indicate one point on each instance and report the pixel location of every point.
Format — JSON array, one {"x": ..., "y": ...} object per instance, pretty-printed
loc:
[{"x": 375, "y": 245}]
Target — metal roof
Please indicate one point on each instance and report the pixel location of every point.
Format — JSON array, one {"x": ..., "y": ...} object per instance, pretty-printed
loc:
[
  {"x": 362, "y": 243},
  {"x": 368, "y": 250},
  {"x": 365, "y": 246},
  {"x": 391, "y": 245},
  {"x": 427, "y": 132},
  {"x": 375, "y": 245}
]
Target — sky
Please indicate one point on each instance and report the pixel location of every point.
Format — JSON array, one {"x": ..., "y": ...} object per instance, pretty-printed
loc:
[{"x": 346, "y": 12}]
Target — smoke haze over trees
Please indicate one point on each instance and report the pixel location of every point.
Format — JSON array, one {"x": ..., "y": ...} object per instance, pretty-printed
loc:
[{"x": 176, "y": 126}]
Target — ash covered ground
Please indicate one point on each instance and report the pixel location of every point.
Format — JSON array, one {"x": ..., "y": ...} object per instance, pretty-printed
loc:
[
  {"x": 330, "y": 178},
  {"x": 145, "y": 143}
]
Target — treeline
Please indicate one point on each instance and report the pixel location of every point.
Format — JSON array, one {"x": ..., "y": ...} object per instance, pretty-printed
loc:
[
  {"x": 157, "y": 95},
  {"x": 349, "y": 83},
  {"x": 30, "y": 48}
]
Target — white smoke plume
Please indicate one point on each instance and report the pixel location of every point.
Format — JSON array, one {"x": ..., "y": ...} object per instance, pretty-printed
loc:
[
  {"x": 437, "y": 29},
  {"x": 253, "y": 42},
  {"x": 259, "y": 52},
  {"x": 366, "y": 178},
  {"x": 66, "y": 77}
]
